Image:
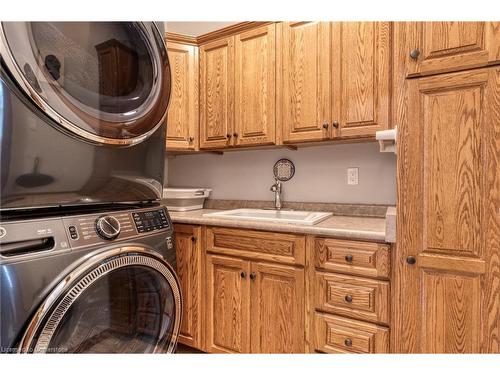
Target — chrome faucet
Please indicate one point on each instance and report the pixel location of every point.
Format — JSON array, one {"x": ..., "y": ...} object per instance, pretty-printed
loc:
[{"x": 276, "y": 189}]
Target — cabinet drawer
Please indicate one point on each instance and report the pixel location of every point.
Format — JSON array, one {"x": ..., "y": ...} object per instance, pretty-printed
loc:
[
  {"x": 356, "y": 297},
  {"x": 353, "y": 257},
  {"x": 279, "y": 247},
  {"x": 341, "y": 335}
]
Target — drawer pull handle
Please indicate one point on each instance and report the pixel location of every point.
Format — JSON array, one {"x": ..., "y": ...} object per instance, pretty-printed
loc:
[
  {"x": 348, "y": 342},
  {"x": 193, "y": 238},
  {"x": 411, "y": 260},
  {"x": 252, "y": 276},
  {"x": 243, "y": 274},
  {"x": 348, "y": 258},
  {"x": 348, "y": 298}
]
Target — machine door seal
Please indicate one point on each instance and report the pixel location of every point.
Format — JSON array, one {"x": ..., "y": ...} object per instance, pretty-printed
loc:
[
  {"x": 106, "y": 82},
  {"x": 123, "y": 300}
]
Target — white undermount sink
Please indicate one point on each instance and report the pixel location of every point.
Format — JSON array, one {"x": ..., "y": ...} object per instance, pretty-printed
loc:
[{"x": 275, "y": 216}]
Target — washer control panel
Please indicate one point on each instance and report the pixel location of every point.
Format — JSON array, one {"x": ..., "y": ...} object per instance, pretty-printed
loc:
[{"x": 146, "y": 221}]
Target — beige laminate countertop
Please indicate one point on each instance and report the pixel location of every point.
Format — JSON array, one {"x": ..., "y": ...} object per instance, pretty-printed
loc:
[{"x": 349, "y": 227}]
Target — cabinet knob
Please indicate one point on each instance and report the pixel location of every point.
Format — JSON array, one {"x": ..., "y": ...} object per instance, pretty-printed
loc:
[
  {"x": 325, "y": 125},
  {"x": 243, "y": 274},
  {"x": 193, "y": 238},
  {"x": 348, "y": 258},
  {"x": 228, "y": 135},
  {"x": 252, "y": 276},
  {"x": 348, "y": 342},
  {"x": 235, "y": 135},
  {"x": 335, "y": 124},
  {"x": 191, "y": 139},
  {"x": 348, "y": 298},
  {"x": 415, "y": 53},
  {"x": 411, "y": 260}
]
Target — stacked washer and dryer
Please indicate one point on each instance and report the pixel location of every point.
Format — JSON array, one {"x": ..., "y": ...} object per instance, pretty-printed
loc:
[{"x": 86, "y": 251}]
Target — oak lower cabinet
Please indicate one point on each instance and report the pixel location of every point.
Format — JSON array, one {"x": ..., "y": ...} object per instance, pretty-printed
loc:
[
  {"x": 183, "y": 110},
  {"x": 255, "y": 291},
  {"x": 189, "y": 270},
  {"x": 438, "y": 47},
  {"x": 349, "y": 285},
  {"x": 254, "y": 307},
  {"x": 447, "y": 279}
]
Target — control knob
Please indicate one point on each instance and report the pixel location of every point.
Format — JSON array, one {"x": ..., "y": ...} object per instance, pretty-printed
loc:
[{"x": 107, "y": 227}]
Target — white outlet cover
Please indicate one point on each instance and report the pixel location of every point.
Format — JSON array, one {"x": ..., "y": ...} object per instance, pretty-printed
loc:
[{"x": 352, "y": 176}]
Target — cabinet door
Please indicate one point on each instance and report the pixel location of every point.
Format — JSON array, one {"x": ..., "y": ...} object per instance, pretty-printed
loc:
[
  {"x": 453, "y": 46},
  {"x": 228, "y": 305},
  {"x": 255, "y": 109},
  {"x": 217, "y": 93},
  {"x": 447, "y": 284},
  {"x": 278, "y": 322},
  {"x": 189, "y": 257},
  {"x": 304, "y": 80},
  {"x": 182, "y": 118},
  {"x": 361, "y": 66}
]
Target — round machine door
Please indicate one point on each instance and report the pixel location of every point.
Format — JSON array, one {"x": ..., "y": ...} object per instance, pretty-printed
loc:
[
  {"x": 108, "y": 82},
  {"x": 125, "y": 300}
]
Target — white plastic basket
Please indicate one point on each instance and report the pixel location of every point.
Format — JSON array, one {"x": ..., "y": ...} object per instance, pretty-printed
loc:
[{"x": 185, "y": 199}]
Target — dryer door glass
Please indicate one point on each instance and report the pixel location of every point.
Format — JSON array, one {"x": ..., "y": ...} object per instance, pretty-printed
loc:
[{"x": 106, "y": 81}]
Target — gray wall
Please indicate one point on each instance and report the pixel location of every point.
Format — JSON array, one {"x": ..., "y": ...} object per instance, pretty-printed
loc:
[{"x": 321, "y": 174}]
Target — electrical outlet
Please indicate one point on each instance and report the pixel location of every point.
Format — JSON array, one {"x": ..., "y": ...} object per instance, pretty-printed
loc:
[{"x": 352, "y": 176}]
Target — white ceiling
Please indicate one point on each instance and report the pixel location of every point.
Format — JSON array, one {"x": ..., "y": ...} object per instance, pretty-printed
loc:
[{"x": 195, "y": 28}]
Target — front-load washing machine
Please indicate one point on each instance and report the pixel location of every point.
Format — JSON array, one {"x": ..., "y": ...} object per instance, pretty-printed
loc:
[
  {"x": 82, "y": 113},
  {"x": 89, "y": 283}
]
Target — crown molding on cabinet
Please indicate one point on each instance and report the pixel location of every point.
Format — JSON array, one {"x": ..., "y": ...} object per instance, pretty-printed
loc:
[{"x": 214, "y": 35}]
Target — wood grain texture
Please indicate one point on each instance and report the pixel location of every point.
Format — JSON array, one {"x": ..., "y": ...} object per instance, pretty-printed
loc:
[
  {"x": 217, "y": 94},
  {"x": 453, "y": 46},
  {"x": 253, "y": 244},
  {"x": 368, "y": 259},
  {"x": 255, "y": 94},
  {"x": 361, "y": 67},
  {"x": 189, "y": 271},
  {"x": 183, "y": 110},
  {"x": 304, "y": 77},
  {"x": 449, "y": 134},
  {"x": 228, "y": 305},
  {"x": 277, "y": 302},
  {"x": 369, "y": 299},
  {"x": 333, "y": 331}
]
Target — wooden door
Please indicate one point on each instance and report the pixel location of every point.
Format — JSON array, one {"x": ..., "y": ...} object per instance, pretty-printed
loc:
[
  {"x": 278, "y": 317},
  {"x": 217, "y": 93},
  {"x": 452, "y": 46},
  {"x": 182, "y": 118},
  {"x": 304, "y": 81},
  {"x": 228, "y": 305},
  {"x": 447, "y": 282},
  {"x": 361, "y": 66},
  {"x": 189, "y": 270},
  {"x": 255, "y": 95}
]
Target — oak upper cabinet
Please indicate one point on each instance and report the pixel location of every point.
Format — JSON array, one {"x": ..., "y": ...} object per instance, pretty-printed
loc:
[
  {"x": 182, "y": 119},
  {"x": 437, "y": 47},
  {"x": 361, "y": 67},
  {"x": 217, "y": 93},
  {"x": 189, "y": 270},
  {"x": 304, "y": 81},
  {"x": 255, "y": 94},
  {"x": 447, "y": 283},
  {"x": 228, "y": 305},
  {"x": 277, "y": 308}
]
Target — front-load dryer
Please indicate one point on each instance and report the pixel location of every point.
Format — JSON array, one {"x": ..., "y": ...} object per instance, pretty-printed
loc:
[
  {"x": 82, "y": 113},
  {"x": 89, "y": 283}
]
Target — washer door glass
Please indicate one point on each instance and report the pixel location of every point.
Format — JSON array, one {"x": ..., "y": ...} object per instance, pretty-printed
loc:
[
  {"x": 129, "y": 303},
  {"x": 102, "y": 80}
]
